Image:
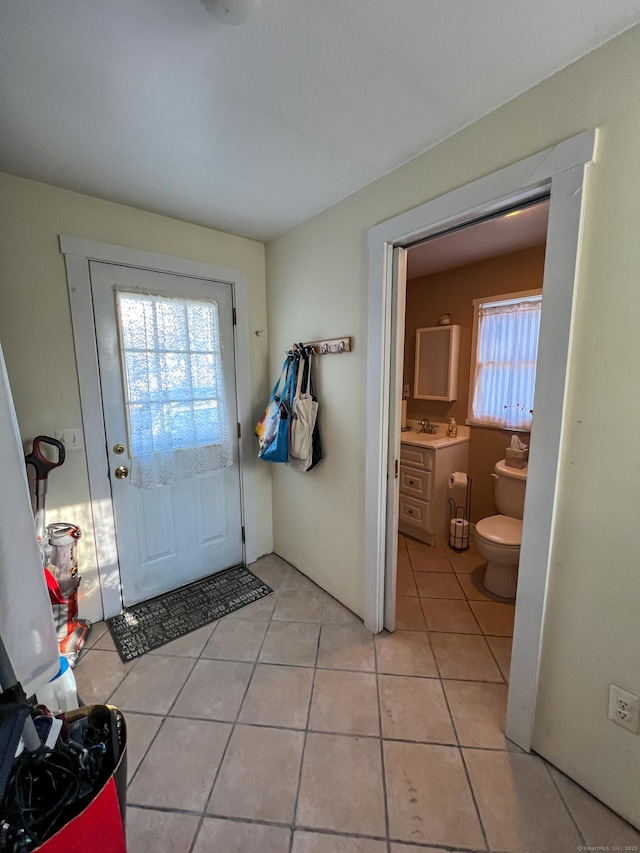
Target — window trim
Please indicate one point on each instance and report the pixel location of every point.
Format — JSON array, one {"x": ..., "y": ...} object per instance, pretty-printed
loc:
[{"x": 488, "y": 300}]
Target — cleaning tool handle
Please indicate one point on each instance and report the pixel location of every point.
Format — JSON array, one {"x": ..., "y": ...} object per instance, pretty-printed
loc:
[{"x": 39, "y": 461}]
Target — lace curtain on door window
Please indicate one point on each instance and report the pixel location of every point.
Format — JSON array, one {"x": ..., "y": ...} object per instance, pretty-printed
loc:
[
  {"x": 174, "y": 389},
  {"x": 506, "y": 357}
]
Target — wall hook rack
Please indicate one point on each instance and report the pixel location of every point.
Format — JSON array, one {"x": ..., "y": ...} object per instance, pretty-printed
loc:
[{"x": 330, "y": 346}]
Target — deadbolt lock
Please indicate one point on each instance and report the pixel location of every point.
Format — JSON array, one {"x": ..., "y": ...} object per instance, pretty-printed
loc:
[
  {"x": 122, "y": 472},
  {"x": 118, "y": 448}
]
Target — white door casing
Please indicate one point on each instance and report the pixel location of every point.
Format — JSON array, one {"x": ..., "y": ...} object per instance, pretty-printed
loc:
[
  {"x": 170, "y": 535},
  {"x": 78, "y": 255},
  {"x": 560, "y": 172}
]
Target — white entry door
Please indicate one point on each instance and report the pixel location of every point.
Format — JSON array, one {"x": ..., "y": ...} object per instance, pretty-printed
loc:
[{"x": 167, "y": 375}]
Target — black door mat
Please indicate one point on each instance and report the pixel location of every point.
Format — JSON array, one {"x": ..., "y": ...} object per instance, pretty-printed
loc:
[{"x": 149, "y": 625}]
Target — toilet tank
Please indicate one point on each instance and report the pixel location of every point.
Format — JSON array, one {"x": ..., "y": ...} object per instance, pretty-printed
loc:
[{"x": 510, "y": 488}]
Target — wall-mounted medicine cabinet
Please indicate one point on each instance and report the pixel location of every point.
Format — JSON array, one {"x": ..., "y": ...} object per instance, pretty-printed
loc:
[{"x": 436, "y": 375}]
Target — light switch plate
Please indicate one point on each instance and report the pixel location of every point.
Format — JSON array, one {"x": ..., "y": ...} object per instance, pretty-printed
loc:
[{"x": 71, "y": 437}]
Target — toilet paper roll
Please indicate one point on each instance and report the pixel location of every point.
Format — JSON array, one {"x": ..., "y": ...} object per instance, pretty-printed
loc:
[
  {"x": 403, "y": 421},
  {"x": 459, "y": 533},
  {"x": 458, "y": 481}
]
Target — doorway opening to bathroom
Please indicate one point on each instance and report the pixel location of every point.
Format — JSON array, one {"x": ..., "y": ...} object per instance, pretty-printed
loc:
[
  {"x": 560, "y": 174},
  {"x": 450, "y": 279}
]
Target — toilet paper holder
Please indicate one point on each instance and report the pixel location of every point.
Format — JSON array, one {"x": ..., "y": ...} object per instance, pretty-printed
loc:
[{"x": 459, "y": 520}]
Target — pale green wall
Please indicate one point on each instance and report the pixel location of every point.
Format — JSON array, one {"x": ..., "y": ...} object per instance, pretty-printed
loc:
[
  {"x": 317, "y": 286},
  {"x": 36, "y": 335}
]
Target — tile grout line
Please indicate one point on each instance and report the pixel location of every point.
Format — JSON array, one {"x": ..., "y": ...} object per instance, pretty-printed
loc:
[
  {"x": 304, "y": 744},
  {"x": 204, "y": 810},
  {"x": 382, "y": 764},
  {"x": 564, "y": 802},
  {"x": 232, "y": 724},
  {"x": 459, "y": 748},
  {"x": 475, "y": 802},
  {"x": 166, "y": 716}
]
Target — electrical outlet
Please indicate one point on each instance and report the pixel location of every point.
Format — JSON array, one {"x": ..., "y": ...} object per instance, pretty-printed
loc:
[
  {"x": 71, "y": 437},
  {"x": 624, "y": 708}
]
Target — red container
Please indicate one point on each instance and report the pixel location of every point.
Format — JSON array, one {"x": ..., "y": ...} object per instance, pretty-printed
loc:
[{"x": 100, "y": 826}]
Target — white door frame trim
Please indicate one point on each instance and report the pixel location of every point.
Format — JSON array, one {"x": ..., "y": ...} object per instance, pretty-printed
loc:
[
  {"x": 560, "y": 170},
  {"x": 78, "y": 253}
]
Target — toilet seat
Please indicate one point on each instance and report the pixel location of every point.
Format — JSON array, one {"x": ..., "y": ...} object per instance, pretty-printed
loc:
[{"x": 501, "y": 531}]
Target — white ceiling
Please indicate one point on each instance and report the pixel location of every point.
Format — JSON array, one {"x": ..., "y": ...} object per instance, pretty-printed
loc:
[
  {"x": 254, "y": 128},
  {"x": 519, "y": 229}
]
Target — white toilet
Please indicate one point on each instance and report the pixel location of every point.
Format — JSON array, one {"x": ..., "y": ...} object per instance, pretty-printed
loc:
[{"x": 499, "y": 536}]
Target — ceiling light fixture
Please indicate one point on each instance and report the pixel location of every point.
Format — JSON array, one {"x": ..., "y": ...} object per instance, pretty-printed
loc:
[{"x": 232, "y": 11}]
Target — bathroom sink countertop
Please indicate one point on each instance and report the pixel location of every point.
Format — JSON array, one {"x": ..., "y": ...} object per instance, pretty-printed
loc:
[{"x": 435, "y": 440}]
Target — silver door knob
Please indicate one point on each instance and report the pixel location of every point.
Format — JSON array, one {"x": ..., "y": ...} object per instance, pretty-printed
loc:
[
  {"x": 122, "y": 472},
  {"x": 118, "y": 448}
]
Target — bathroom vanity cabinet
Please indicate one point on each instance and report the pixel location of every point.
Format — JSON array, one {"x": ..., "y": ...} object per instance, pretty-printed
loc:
[{"x": 424, "y": 487}]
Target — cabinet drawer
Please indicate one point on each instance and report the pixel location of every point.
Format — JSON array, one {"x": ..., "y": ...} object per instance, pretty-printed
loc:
[
  {"x": 417, "y": 457},
  {"x": 415, "y": 482},
  {"x": 414, "y": 512}
]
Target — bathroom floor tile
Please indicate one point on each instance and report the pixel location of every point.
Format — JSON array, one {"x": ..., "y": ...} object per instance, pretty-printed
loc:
[
  {"x": 450, "y": 616},
  {"x": 278, "y": 696},
  {"x": 341, "y": 785},
  {"x": 414, "y": 709},
  {"x": 318, "y": 842},
  {"x": 405, "y": 653},
  {"x": 464, "y": 656},
  {"x": 141, "y": 730},
  {"x": 411, "y": 848},
  {"x": 494, "y": 618},
  {"x": 214, "y": 691},
  {"x": 600, "y": 826},
  {"x": 98, "y": 629},
  {"x": 409, "y": 616},
  {"x": 179, "y": 768},
  {"x": 232, "y": 836},
  {"x": 311, "y": 605},
  {"x": 438, "y": 585},
  {"x": 98, "y": 674},
  {"x": 479, "y": 712},
  {"x": 465, "y": 562},
  {"x": 258, "y": 778},
  {"x": 236, "y": 639},
  {"x": 433, "y": 560},
  {"x": 415, "y": 544},
  {"x": 270, "y": 570},
  {"x": 345, "y": 703},
  {"x": 501, "y": 648},
  {"x": 171, "y": 832},
  {"x": 405, "y": 584},
  {"x": 520, "y": 807},
  {"x": 404, "y": 563},
  {"x": 153, "y": 684},
  {"x": 294, "y": 643},
  {"x": 429, "y": 797},
  {"x": 346, "y": 647}
]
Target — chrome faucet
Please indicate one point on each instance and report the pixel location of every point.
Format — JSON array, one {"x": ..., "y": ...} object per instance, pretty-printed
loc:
[{"x": 428, "y": 427}]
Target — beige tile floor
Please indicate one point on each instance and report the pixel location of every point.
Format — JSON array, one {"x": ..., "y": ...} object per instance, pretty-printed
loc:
[{"x": 288, "y": 728}]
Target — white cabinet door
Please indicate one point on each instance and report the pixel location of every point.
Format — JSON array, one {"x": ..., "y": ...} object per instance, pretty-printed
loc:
[{"x": 173, "y": 534}]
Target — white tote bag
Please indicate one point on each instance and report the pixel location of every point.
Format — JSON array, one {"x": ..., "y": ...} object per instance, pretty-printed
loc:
[{"x": 305, "y": 411}]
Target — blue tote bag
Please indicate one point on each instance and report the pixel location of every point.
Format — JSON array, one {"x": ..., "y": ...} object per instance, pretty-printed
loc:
[{"x": 279, "y": 409}]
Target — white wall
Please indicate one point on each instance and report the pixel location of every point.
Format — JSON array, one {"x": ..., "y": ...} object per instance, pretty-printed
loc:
[
  {"x": 317, "y": 286},
  {"x": 36, "y": 335}
]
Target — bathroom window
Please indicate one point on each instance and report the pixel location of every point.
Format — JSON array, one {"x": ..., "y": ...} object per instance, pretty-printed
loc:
[{"x": 503, "y": 364}]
